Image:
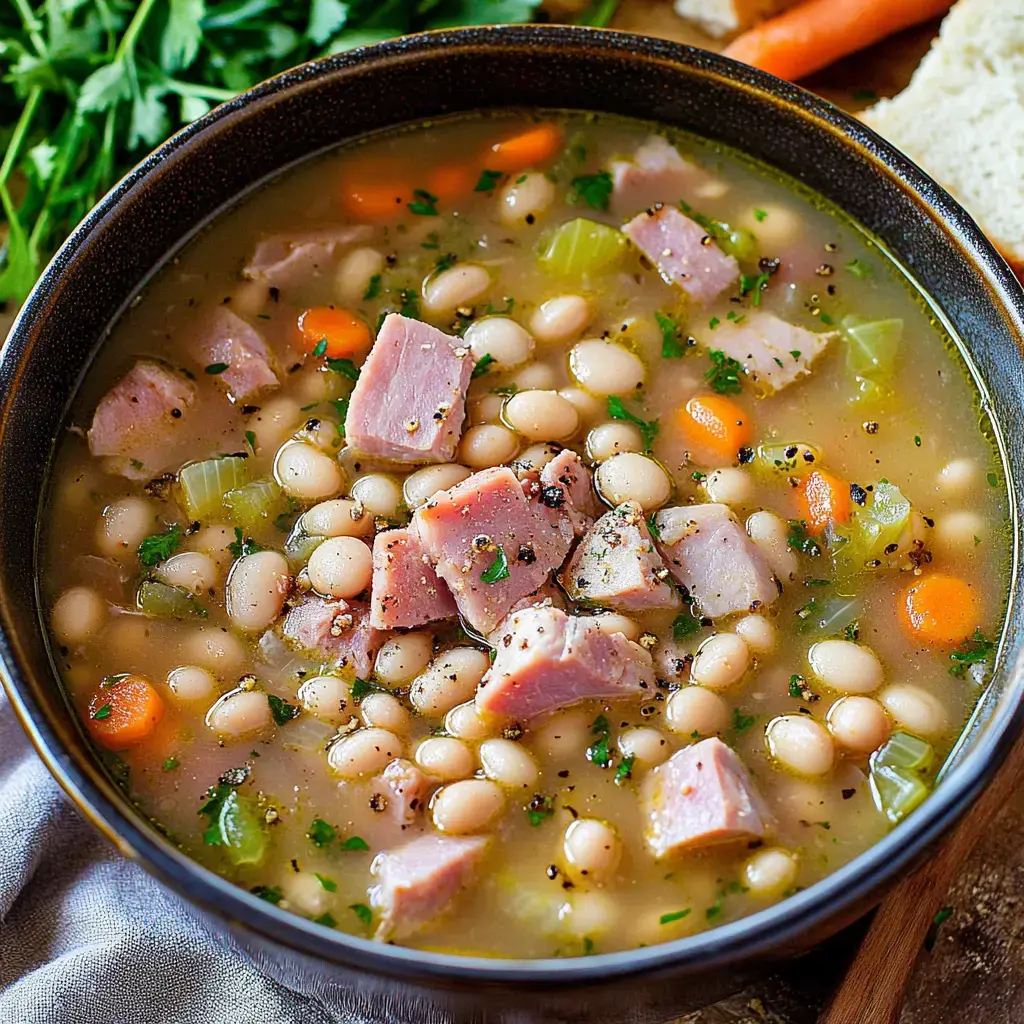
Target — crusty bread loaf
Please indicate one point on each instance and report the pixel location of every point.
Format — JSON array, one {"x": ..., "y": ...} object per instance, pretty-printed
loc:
[
  {"x": 962, "y": 116},
  {"x": 723, "y": 17}
]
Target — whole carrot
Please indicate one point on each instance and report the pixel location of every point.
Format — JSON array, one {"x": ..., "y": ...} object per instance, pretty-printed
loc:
[{"x": 812, "y": 35}]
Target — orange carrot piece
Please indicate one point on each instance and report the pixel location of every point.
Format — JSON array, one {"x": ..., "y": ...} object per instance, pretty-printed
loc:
[
  {"x": 375, "y": 191},
  {"x": 715, "y": 425},
  {"x": 531, "y": 148},
  {"x": 817, "y": 33},
  {"x": 343, "y": 333},
  {"x": 452, "y": 181},
  {"x": 124, "y": 713},
  {"x": 941, "y": 610},
  {"x": 823, "y": 499}
]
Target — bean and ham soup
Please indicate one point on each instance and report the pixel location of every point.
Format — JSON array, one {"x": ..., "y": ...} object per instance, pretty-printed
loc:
[{"x": 526, "y": 536}]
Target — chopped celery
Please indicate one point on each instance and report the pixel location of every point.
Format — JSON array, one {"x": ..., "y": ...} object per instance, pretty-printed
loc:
[
  {"x": 166, "y": 602},
  {"x": 905, "y": 751},
  {"x": 872, "y": 346},
  {"x": 827, "y": 616},
  {"x": 869, "y": 392},
  {"x": 300, "y": 545},
  {"x": 738, "y": 242},
  {"x": 795, "y": 457},
  {"x": 896, "y": 791},
  {"x": 581, "y": 247},
  {"x": 872, "y": 532},
  {"x": 241, "y": 829},
  {"x": 204, "y": 484},
  {"x": 254, "y": 503}
]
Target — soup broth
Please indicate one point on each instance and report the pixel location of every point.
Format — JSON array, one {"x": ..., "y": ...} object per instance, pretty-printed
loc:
[{"x": 707, "y": 636}]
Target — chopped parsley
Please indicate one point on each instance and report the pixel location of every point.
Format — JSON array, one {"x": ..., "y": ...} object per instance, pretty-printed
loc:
[
  {"x": 724, "y": 375},
  {"x": 170, "y": 764},
  {"x": 588, "y": 946},
  {"x": 483, "y": 365},
  {"x": 423, "y": 204},
  {"x": 320, "y": 348},
  {"x": 598, "y": 752},
  {"x": 158, "y": 547},
  {"x": 740, "y": 721},
  {"x": 971, "y": 652},
  {"x": 917, "y": 440},
  {"x": 215, "y": 369},
  {"x": 102, "y": 712},
  {"x": 329, "y": 884},
  {"x": 715, "y": 909},
  {"x": 753, "y": 285},
  {"x": 497, "y": 570},
  {"x": 937, "y": 922},
  {"x": 671, "y": 346},
  {"x": 593, "y": 189},
  {"x": 250, "y": 440},
  {"x": 796, "y": 685},
  {"x": 759, "y": 215},
  {"x": 624, "y": 771},
  {"x": 993, "y": 480},
  {"x": 360, "y": 688},
  {"x": 355, "y": 843},
  {"x": 320, "y": 833},
  {"x": 345, "y": 367},
  {"x": 327, "y": 920},
  {"x": 216, "y": 797},
  {"x": 684, "y": 625},
  {"x": 676, "y": 915},
  {"x": 373, "y": 288},
  {"x": 539, "y": 809},
  {"x": 858, "y": 268},
  {"x": 652, "y": 526},
  {"x": 648, "y": 428},
  {"x": 242, "y": 545},
  {"x": 270, "y": 893},
  {"x": 488, "y": 181},
  {"x": 362, "y": 911},
  {"x": 281, "y": 710},
  {"x": 714, "y": 322},
  {"x": 800, "y": 540}
]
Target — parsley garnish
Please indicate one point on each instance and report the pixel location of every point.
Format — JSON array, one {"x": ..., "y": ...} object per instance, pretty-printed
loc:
[
  {"x": 497, "y": 570},
  {"x": 724, "y": 375},
  {"x": 362, "y": 911},
  {"x": 158, "y": 547},
  {"x": 624, "y": 771},
  {"x": 102, "y": 712},
  {"x": 993, "y": 480},
  {"x": 360, "y": 688},
  {"x": 270, "y": 893},
  {"x": 242, "y": 545},
  {"x": 858, "y": 268},
  {"x": 676, "y": 915},
  {"x": 759, "y": 215},
  {"x": 714, "y": 322},
  {"x": 329, "y": 884},
  {"x": 648, "y": 428},
  {"x": 320, "y": 833},
  {"x": 373, "y": 288},
  {"x": 684, "y": 625},
  {"x": 742, "y": 722},
  {"x": 320, "y": 348},
  {"x": 250, "y": 440},
  {"x": 971, "y": 652},
  {"x": 588, "y": 946},
  {"x": 423, "y": 204},
  {"x": 483, "y": 365},
  {"x": 754, "y": 283},
  {"x": 715, "y": 909},
  {"x": 800, "y": 540},
  {"x": 170, "y": 764},
  {"x": 671, "y": 346},
  {"x": 796, "y": 685},
  {"x": 593, "y": 189},
  {"x": 215, "y": 369},
  {"x": 652, "y": 526},
  {"x": 539, "y": 809},
  {"x": 281, "y": 710},
  {"x": 598, "y": 752},
  {"x": 354, "y": 843},
  {"x": 345, "y": 367},
  {"x": 216, "y": 797},
  {"x": 327, "y": 920},
  {"x": 488, "y": 181}
]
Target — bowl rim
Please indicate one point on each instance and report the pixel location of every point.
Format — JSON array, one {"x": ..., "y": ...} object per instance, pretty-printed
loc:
[{"x": 746, "y": 938}]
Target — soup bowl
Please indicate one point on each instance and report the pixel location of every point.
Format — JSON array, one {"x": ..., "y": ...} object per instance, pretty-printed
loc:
[{"x": 202, "y": 170}]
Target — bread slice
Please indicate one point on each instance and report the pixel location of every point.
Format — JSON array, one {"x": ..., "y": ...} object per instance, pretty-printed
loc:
[
  {"x": 724, "y": 17},
  {"x": 962, "y": 117}
]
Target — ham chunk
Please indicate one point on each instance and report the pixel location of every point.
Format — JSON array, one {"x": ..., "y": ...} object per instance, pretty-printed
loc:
[
  {"x": 337, "y": 631},
  {"x": 138, "y": 422},
  {"x": 467, "y": 530},
  {"x": 406, "y": 590},
  {"x": 404, "y": 788},
  {"x": 683, "y": 252},
  {"x": 616, "y": 565},
  {"x": 566, "y": 471},
  {"x": 656, "y": 174},
  {"x": 418, "y": 881},
  {"x": 702, "y": 795},
  {"x": 547, "y": 660},
  {"x": 225, "y": 338},
  {"x": 284, "y": 261},
  {"x": 709, "y": 553},
  {"x": 410, "y": 400},
  {"x": 773, "y": 353}
]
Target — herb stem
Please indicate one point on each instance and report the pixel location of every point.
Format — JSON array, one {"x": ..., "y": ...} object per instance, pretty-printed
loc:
[
  {"x": 32, "y": 26},
  {"x": 17, "y": 138},
  {"x": 135, "y": 26}
]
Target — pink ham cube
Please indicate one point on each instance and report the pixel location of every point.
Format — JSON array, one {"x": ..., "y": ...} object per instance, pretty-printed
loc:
[
  {"x": 337, "y": 631},
  {"x": 224, "y": 339},
  {"x": 406, "y": 591},
  {"x": 656, "y": 174},
  {"x": 290, "y": 260},
  {"x": 403, "y": 787}
]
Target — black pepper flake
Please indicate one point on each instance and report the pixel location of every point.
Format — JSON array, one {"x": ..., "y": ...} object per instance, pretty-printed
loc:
[
  {"x": 274, "y": 293},
  {"x": 825, "y": 270},
  {"x": 870, "y": 427},
  {"x": 769, "y": 265},
  {"x": 745, "y": 455},
  {"x": 564, "y": 773},
  {"x": 176, "y": 413},
  {"x": 848, "y": 793},
  {"x": 858, "y": 495},
  {"x": 378, "y": 803},
  {"x": 552, "y": 496},
  {"x": 512, "y": 732},
  {"x": 248, "y": 410},
  {"x": 526, "y": 555},
  {"x": 551, "y": 871}
]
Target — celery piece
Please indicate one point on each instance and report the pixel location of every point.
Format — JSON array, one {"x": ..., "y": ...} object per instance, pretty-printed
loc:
[
  {"x": 792, "y": 458},
  {"x": 255, "y": 503},
  {"x": 869, "y": 394},
  {"x": 242, "y": 832},
  {"x": 738, "y": 242},
  {"x": 581, "y": 247},
  {"x": 872, "y": 346},
  {"x": 872, "y": 530},
  {"x": 204, "y": 484},
  {"x": 828, "y": 616},
  {"x": 162, "y": 601},
  {"x": 902, "y": 750},
  {"x": 896, "y": 791},
  {"x": 300, "y": 545}
]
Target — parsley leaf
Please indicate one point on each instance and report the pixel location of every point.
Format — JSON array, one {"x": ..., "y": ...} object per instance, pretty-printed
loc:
[
  {"x": 250, "y": 441},
  {"x": 742, "y": 722},
  {"x": 753, "y": 285},
  {"x": 281, "y": 710},
  {"x": 102, "y": 712},
  {"x": 483, "y": 365},
  {"x": 242, "y": 545},
  {"x": 671, "y": 346},
  {"x": 598, "y": 752},
  {"x": 373, "y": 288},
  {"x": 327, "y": 920},
  {"x": 539, "y": 809},
  {"x": 354, "y": 843},
  {"x": 488, "y": 181},
  {"x": 498, "y": 569},
  {"x": 648, "y": 428},
  {"x": 363, "y": 912},
  {"x": 971, "y": 652},
  {"x": 800, "y": 540},
  {"x": 683, "y": 625},
  {"x": 345, "y": 367},
  {"x": 320, "y": 348},
  {"x": 328, "y": 884},
  {"x": 170, "y": 764},
  {"x": 360, "y": 688},
  {"x": 270, "y": 893},
  {"x": 216, "y": 369},
  {"x": 676, "y": 915},
  {"x": 423, "y": 204},
  {"x": 624, "y": 771},
  {"x": 593, "y": 189},
  {"x": 724, "y": 375},
  {"x": 759, "y": 215},
  {"x": 320, "y": 833},
  {"x": 158, "y": 547}
]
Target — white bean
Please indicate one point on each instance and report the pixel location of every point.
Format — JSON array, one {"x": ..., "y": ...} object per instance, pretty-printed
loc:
[
  {"x": 216, "y": 649},
  {"x": 385, "y": 711},
  {"x": 801, "y": 744},
  {"x": 355, "y": 271},
  {"x": 214, "y": 541},
  {"x": 378, "y": 493},
  {"x": 78, "y": 614},
  {"x": 239, "y": 712},
  {"x": 501, "y": 338},
  {"x": 257, "y": 587},
  {"x": 534, "y": 458},
  {"x": 467, "y": 806},
  {"x": 561, "y": 318},
  {"x": 338, "y": 517},
  {"x": 633, "y": 477},
  {"x": 456, "y": 286},
  {"x": 191, "y": 570},
  {"x": 467, "y": 722},
  {"x": 592, "y": 850},
  {"x": 729, "y": 485},
  {"x": 696, "y": 710},
  {"x": 604, "y": 368},
  {"x": 590, "y": 915},
  {"x": 587, "y": 405},
  {"x": 305, "y": 893},
  {"x": 275, "y": 421},
  {"x": 328, "y": 698},
  {"x": 363, "y": 752},
  {"x": 959, "y": 531},
  {"x": 721, "y": 661},
  {"x": 536, "y": 377},
  {"x": 508, "y": 763},
  {"x": 524, "y": 197},
  {"x": 445, "y": 757},
  {"x": 341, "y": 567},
  {"x": 959, "y": 475},
  {"x": 771, "y": 535},
  {"x": 644, "y": 744},
  {"x": 610, "y": 439},
  {"x": 124, "y": 526},
  {"x": 845, "y": 666},
  {"x": 321, "y": 433},
  {"x": 486, "y": 410},
  {"x": 542, "y": 415},
  {"x": 487, "y": 445},
  {"x": 452, "y": 679},
  {"x": 426, "y": 482},
  {"x": 612, "y": 622},
  {"x": 917, "y": 710},
  {"x": 859, "y": 723},
  {"x": 403, "y": 658},
  {"x": 757, "y": 631},
  {"x": 770, "y": 871},
  {"x": 190, "y": 682},
  {"x": 307, "y": 473},
  {"x": 775, "y": 226},
  {"x": 563, "y": 734}
]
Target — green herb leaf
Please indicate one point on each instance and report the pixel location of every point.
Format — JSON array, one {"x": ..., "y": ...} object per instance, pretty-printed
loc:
[
  {"x": 363, "y": 912},
  {"x": 488, "y": 181},
  {"x": 624, "y": 770},
  {"x": 360, "y": 688},
  {"x": 858, "y": 268},
  {"x": 373, "y": 289},
  {"x": 328, "y": 883},
  {"x": 423, "y": 204},
  {"x": 320, "y": 833},
  {"x": 800, "y": 540},
  {"x": 281, "y": 710},
  {"x": 593, "y": 189},
  {"x": 740, "y": 721},
  {"x": 345, "y": 367},
  {"x": 975, "y": 651},
  {"x": 214, "y": 369},
  {"x": 753, "y": 285},
  {"x": 327, "y": 920},
  {"x": 598, "y": 752},
  {"x": 158, "y": 547},
  {"x": 270, "y": 893},
  {"x": 320, "y": 348},
  {"x": 498, "y": 569},
  {"x": 759, "y": 215},
  {"x": 355, "y": 843},
  {"x": 539, "y": 809},
  {"x": 683, "y": 625},
  {"x": 170, "y": 764},
  {"x": 648, "y": 428},
  {"x": 671, "y": 346},
  {"x": 250, "y": 440},
  {"x": 483, "y": 365},
  {"x": 725, "y": 373},
  {"x": 242, "y": 545},
  {"x": 676, "y": 915},
  {"x": 102, "y": 712}
]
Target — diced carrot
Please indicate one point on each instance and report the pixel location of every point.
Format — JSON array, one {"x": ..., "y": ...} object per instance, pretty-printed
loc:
[
  {"x": 373, "y": 192},
  {"x": 817, "y": 33},
  {"x": 715, "y": 425},
  {"x": 341, "y": 333},
  {"x": 823, "y": 499},
  {"x": 124, "y": 713},
  {"x": 452, "y": 181},
  {"x": 531, "y": 148},
  {"x": 941, "y": 610}
]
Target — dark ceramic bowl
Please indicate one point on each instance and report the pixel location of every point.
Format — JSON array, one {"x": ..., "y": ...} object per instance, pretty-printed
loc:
[{"x": 202, "y": 169}]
